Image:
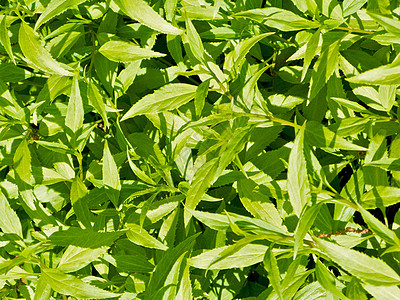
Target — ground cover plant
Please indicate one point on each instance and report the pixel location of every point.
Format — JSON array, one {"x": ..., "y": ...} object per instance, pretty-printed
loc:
[{"x": 199, "y": 149}]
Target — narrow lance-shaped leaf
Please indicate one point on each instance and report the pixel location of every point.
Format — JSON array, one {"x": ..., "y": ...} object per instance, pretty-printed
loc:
[
  {"x": 140, "y": 11},
  {"x": 75, "y": 258},
  {"x": 195, "y": 43},
  {"x": 391, "y": 164},
  {"x": 327, "y": 280},
  {"x": 168, "y": 97},
  {"x": 70, "y": 285},
  {"x": 9, "y": 221},
  {"x": 74, "y": 116},
  {"x": 385, "y": 75},
  {"x": 369, "y": 269},
  {"x": 380, "y": 196},
  {"x": 32, "y": 48},
  {"x": 271, "y": 265},
  {"x": 278, "y": 18},
  {"x": 297, "y": 182},
  {"x": 317, "y": 135},
  {"x": 110, "y": 175},
  {"x": 138, "y": 235},
  {"x": 79, "y": 202},
  {"x": 378, "y": 228},
  {"x": 311, "y": 50},
  {"x": 96, "y": 100},
  {"x": 4, "y": 38},
  {"x": 120, "y": 51},
  {"x": 257, "y": 203},
  {"x": 54, "y": 8}
]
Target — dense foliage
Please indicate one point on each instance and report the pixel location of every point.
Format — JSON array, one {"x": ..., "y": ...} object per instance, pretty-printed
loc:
[{"x": 199, "y": 149}]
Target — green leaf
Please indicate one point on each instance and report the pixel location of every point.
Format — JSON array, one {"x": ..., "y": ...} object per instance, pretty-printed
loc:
[
  {"x": 75, "y": 258},
  {"x": 165, "y": 264},
  {"x": 32, "y": 48},
  {"x": 326, "y": 64},
  {"x": 271, "y": 265},
  {"x": 140, "y": 11},
  {"x": 352, "y": 6},
  {"x": 378, "y": 228},
  {"x": 380, "y": 196},
  {"x": 390, "y": 24},
  {"x": 9, "y": 221},
  {"x": 138, "y": 235},
  {"x": 110, "y": 175},
  {"x": 131, "y": 263},
  {"x": 235, "y": 59},
  {"x": 382, "y": 292},
  {"x": 83, "y": 238},
  {"x": 306, "y": 220},
  {"x": 327, "y": 280},
  {"x": 43, "y": 290},
  {"x": 75, "y": 112},
  {"x": 202, "y": 180},
  {"x": 120, "y": 51},
  {"x": 200, "y": 98},
  {"x": 391, "y": 164},
  {"x": 257, "y": 203},
  {"x": 96, "y": 100},
  {"x": 297, "y": 182},
  {"x": 278, "y": 18},
  {"x": 387, "y": 75},
  {"x": 370, "y": 270},
  {"x": 168, "y": 97},
  {"x": 4, "y": 37},
  {"x": 248, "y": 255},
  {"x": 79, "y": 201},
  {"x": 70, "y": 285},
  {"x": 317, "y": 135},
  {"x": 195, "y": 43},
  {"x": 54, "y": 8},
  {"x": 311, "y": 51}
]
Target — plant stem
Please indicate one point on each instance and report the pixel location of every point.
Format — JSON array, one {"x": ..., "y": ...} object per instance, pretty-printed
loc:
[{"x": 355, "y": 30}]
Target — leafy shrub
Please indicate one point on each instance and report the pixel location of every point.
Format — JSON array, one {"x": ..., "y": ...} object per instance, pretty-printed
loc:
[{"x": 198, "y": 149}]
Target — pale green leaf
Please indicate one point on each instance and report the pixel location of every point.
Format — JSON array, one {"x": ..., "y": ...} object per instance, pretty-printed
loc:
[
  {"x": 297, "y": 182},
  {"x": 168, "y": 97},
  {"x": 271, "y": 265},
  {"x": 140, "y": 11},
  {"x": 110, "y": 175},
  {"x": 9, "y": 221},
  {"x": 120, "y": 51},
  {"x": 382, "y": 292},
  {"x": 257, "y": 203},
  {"x": 96, "y": 100},
  {"x": 54, "y": 8},
  {"x": 4, "y": 37},
  {"x": 378, "y": 228},
  {"x": 70, "y": 285},
  {"x": 75, "y": 258},
  {"x": 391, "y": 164},
  {"x": 369, "y": 269},
  {"x": 278, "y": 18},
  {"x": 75, "y": 112},
  {"x": 327, "y": 280},
  {"x": 195, "y": 43},
  {"x": 248, "y": 255},
  {"x": 390, "y": 24},
  {"x": 33, "y": 50},
  {"x": 386, "y": 74},
  {"x": 319, "y": 136},
  {"x": 138, "y": 235}
]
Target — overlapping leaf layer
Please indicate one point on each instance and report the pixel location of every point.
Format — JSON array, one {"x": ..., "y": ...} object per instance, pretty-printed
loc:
[{"x": 199, "y": 149}]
